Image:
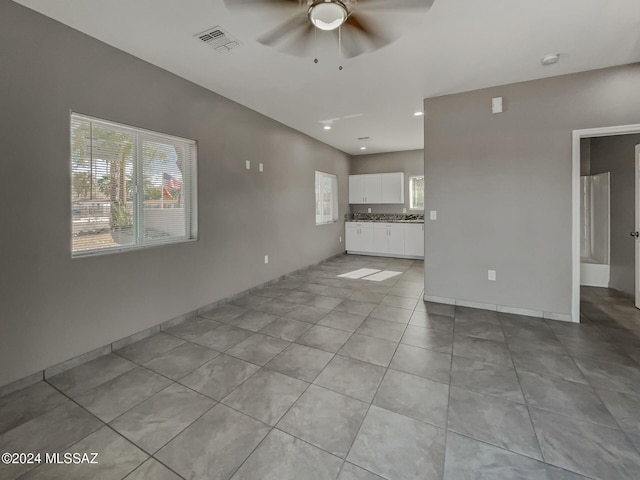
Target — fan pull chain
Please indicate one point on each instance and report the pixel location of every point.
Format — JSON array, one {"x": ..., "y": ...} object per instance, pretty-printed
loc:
[
  {"x": 315, "y": 44},
  {"x": 339, "y": 45}
]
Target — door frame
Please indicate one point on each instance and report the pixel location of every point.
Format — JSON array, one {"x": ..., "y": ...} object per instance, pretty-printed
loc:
[
  {"x": 575, "y": 203},
  {"x": 636, "y": 160}
]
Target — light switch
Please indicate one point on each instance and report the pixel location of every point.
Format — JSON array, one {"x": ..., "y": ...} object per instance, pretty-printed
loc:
[
  {"x": 266, "y": 259},
  {"x": 491, "y": 275},
  {"x": 404, "y": 210},
  {"x": 433, "y": 215},
  {"x": 247, "y": 164},
  {"x": 260, "y": 167},
  {"x": 369, "y": 210},
  {"x": 496, "y": 105}
]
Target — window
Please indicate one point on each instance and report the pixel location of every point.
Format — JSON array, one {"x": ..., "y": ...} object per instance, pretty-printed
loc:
[
  {"x": 416, "y": 193},
  {"x": 130, "y": 188},
  {"x": 326, "y": 198}
]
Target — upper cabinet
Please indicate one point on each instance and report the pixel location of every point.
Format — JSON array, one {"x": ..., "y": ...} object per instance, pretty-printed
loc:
[
  {"x": 392, "y": 187},
  {"x": 377, "y": 188},
  {"x": 365, "y": 189}
]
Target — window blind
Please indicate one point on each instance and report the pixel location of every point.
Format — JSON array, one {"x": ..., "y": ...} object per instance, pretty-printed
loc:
[
  {"x": 130, "y": 187},
  {"x": 326, "y": 198}
]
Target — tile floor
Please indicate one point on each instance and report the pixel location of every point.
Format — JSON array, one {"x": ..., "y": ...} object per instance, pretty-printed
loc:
[{"x": 320, "y": 377}]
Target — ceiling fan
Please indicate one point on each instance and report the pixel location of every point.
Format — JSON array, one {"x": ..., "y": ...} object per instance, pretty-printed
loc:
[{"x": 358, "y": 25}]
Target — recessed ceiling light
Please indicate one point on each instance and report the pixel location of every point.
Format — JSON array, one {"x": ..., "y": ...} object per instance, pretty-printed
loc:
[
  {"x": 363, "y": 148},
  {"x": 418, "y": 114},
  {"x": 550, "y": 59},
  {"x": 327, "y": 127}
]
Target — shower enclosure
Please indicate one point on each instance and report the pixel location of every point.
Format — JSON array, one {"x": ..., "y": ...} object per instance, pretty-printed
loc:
[{"x": 594, "y": 230}]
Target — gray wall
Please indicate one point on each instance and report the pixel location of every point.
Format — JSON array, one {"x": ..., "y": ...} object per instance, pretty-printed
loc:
[
  {"x": 502, "y": 185},
  {"x": 54, "y": 308},
  {"x": 585, "y": 156},
  {"x": 410, "y": 162},
  {"x": 616, "y": 155}
]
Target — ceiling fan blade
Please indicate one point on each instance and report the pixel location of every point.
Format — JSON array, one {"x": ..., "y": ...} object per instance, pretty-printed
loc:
[
  {"x": 284, "y": 30},
  {"x": 299, "y": 44},
  {"x": 365, "y": 5},
  {"x": 360, "y": 35},
  {"x": 357, "y": 22},
  {"x": 261, "y": 3},
  {"x": 351, "y": 44}
]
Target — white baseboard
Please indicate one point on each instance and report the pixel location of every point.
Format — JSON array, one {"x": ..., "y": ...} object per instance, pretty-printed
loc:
[
  {"x": 521, "y": 311},
  {"x": 445, "y": 300},
  {"x": 563, "y": 317},
  {"x": 481, "y": 306},
  {"x": 370, "y": 254},
  {"x": 48, "y": 372}
]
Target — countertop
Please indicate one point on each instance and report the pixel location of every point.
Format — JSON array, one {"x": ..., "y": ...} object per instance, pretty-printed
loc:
[{"x": 384, "y": 221}]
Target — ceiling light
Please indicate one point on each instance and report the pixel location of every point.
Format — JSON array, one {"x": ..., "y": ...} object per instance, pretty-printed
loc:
[
  {"x": 363, "y": 148},
  {"x": 550, "y": 59},
  {"x": 418, "y": 114},
  {"x": 327, "y": 127},
  {"x": 327, "y": 15}
]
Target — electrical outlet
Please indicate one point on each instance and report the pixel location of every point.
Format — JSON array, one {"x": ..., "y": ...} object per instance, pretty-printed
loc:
[
  {"x": 247, "y": 164},
  {"x": 261, "y": 167},
  {"x": 491, "y": 275},
  {"x": 404, "y": 210},
  {"x": 368, "y": 210},
  {"x": 433, "y": 215},
  {"x": 266, "y": 259}
]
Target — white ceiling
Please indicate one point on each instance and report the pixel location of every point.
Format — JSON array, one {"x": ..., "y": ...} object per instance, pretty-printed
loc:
[{"x": 459, "y": 45}]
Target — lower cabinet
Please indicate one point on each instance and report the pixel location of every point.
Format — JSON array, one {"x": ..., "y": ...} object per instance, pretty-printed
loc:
[
  {"x": 388, "y": 238},
  {"x": 392, "y": 239},
  {"x": 359, "y": 237},
  {"x": 414, "y": 239}
]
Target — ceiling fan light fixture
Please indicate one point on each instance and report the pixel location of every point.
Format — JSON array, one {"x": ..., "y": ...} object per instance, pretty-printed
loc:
[{"x": 328, "y": 15}]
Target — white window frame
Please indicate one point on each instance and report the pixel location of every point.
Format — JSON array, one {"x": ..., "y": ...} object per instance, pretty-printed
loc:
[
  {"x": 319, "y": 178},
  {"x": 190, "y": 180},
  {"x": 411, "y": 187}
]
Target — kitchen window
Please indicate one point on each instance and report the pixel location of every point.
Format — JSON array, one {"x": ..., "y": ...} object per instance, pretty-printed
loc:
[
  {"x": 326, "y": 198},
  {"x": 416, "y": 192},
  {"x": 130, "y": 188}
]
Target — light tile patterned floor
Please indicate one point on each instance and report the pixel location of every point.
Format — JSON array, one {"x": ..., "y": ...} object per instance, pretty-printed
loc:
[{"x": 323, "y": 377}]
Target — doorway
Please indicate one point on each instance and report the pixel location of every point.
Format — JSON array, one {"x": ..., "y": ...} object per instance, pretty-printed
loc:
[{"x": 577, "y": 194}]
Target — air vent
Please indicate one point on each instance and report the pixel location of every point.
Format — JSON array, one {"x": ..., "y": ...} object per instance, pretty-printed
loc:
[{"x": 219, "y": 39}]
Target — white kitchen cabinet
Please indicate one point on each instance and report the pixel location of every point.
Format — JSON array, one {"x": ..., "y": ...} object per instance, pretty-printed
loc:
[
  {"x": 414, "y": 239},
  {"x": 359, "y": 237},
  {"x": 356, "y": 188},
  {"x": 392, "y": 187},
  {"x": 388, "y": 238},
  {"x": 365, "y": 188},
  {"x": 385, "y": 239},
  {"x": 372, "y": 188},
  {"x": 376, "y": 188}
]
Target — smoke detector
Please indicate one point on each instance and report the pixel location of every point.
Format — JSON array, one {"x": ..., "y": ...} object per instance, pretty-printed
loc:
[{"x": 550, "y": 59}]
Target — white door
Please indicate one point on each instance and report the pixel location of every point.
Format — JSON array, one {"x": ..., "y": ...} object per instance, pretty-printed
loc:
[
  {"x": 380, "y": 239},
  {"x": 372, "y": 188},
  {"x": 356, "y": 189},
  {"x": 635, "y": 234},
  {"x": 351, "y": 237},
  {"x": 414, "y": 239},
  {"x": 392, "y": 187},
  {"x": 366, "y": 238},
  {"x": 396, "y": 238}
]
